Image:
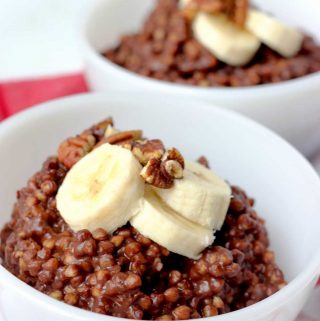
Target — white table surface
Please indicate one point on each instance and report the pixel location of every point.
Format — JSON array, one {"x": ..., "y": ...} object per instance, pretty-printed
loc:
[{"x": 38, "y": 38}]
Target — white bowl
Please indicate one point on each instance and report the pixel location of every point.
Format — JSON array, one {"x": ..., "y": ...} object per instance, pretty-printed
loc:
[
  {"x": 285, "y": 186},
  {"x": 290, "y": 108}
]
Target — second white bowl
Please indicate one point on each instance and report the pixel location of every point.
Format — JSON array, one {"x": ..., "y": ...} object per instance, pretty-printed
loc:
[{"x": 290, "y": 108}]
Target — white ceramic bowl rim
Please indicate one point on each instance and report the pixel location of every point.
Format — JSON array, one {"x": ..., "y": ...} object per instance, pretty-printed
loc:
[
  {"x": 104, "y": 63},
  {"x": 249, "y": 313}
]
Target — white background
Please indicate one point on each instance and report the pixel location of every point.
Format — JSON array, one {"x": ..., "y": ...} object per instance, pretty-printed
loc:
[{"x": 38, "y": 37}]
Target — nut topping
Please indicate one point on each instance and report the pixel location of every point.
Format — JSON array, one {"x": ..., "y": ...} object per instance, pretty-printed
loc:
[
  {"x": 160, "y": 167},
  {"x": 148, "y": 149},
  {"x": 73, "y": 149},
  {"x": 162, "y": 172},
  {"x": 203, "y": 161},
  {"x": 124, "y": 136},
  {"x": 209, "y": 6},
  {"x": 154, "y": 174},
  {"x": 121, "y": 137},
  {"x": 174, "y": 154},
  {"x": 99, "y": 129},
  {"x": 110, "y": 131},
  {"x": 127, "y": 144},
  {"x": 173, "y": 168},
  {"x": 236, "y": 10}
]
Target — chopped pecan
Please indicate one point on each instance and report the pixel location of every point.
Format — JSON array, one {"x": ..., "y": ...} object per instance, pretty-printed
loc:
[
  {"x": 154, "y": 174},
  {"x": 190, "y": 10},
  {"x": 174, "y": 154},
  {"x": 173, "y": 168},
  {"x": 148, "y": 149},
  {"x": 110, "y": 131},
  {"x": 119, "y": 138},
  {"x": 99, "y": 129},
  {"x": 127, "y": 144},
  {"x": 236, "y": 10},
  {"x": 73, "y": 149},
  {"x": 123, "y": 136},
  {"x": 162, "y": 172},
  {"x": 210, "y": 6},
  {"x": 203, "y": 161}
]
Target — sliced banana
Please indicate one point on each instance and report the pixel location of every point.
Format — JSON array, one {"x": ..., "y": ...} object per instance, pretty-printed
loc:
[
  {"x": 283, "y": 39},
  {"x": 201, "y": 196},
  {"x": 161, "y": 224},
  {"x": 103, "y": 190},
  {"x": 224, "y": 39}
]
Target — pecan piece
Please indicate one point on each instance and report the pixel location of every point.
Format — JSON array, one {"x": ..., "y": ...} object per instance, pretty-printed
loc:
[
  {"x": 203, "y": 161},
  {"x": 123, "y": 136},
  {"x": 174, "y": 154},
  {"x": 110, "y": 131},
  {"x": 209, "y": 6},
  {"x": 73, "y": 149},
  {"x": 236, "y": 10},
  {"x": 162, "y": 172},
  {"x": 99, "y": 129},
  {"x": 148, "y": 149},
  {"x": 119, "y": 138},
  {"x": 128, "y": 144},
  {"x": 154, "y": 174},
  {"x": 173, "y": 168}
]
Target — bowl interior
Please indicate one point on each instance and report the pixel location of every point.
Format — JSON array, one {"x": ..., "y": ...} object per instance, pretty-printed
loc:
[
  {"x": 284, "y": 185},
  {"x": 110, "y": 19}
]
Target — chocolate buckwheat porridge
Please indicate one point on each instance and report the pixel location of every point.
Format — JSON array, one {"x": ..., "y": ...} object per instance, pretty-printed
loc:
[
  {"x": 118, "y": 267},
  {"x": 216, "y": 43}
]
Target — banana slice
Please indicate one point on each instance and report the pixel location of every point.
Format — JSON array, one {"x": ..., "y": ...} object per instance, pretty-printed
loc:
[
  {"x": 283, "y": 39},
  {"x": 201, "y": 196},
  {"x": 224, "y": 39},
  {"x": 103, "y": 190},
  {"x": 162, "y": 225}
]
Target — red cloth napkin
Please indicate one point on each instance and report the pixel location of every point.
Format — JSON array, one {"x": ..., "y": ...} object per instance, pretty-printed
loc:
[{"x": 18, "y": 95}]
